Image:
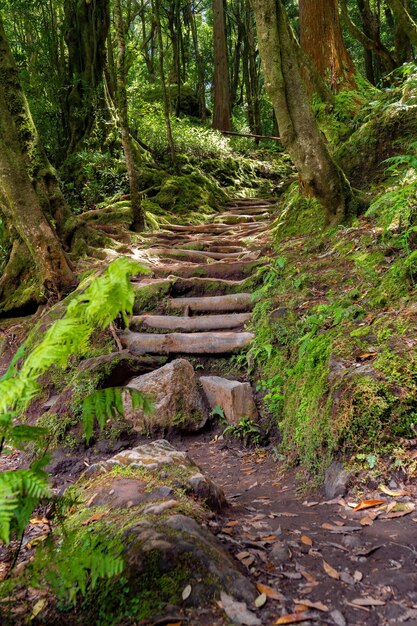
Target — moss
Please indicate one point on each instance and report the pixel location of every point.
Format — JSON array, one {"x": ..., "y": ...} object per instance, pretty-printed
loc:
[{"x": 150, "y": 298}]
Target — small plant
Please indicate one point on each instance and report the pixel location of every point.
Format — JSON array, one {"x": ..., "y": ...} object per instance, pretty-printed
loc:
[
  {"x": 217, "y": 411},
  {"x": 246, "y": 430}
]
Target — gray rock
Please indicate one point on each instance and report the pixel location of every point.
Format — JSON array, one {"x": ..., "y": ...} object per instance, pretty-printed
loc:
[
  {"x": 279, "y": 553},
  {"x": 178, "y": 405},
  {"x": 234, "y": 397},
  {"x": 336, "y": 480}
]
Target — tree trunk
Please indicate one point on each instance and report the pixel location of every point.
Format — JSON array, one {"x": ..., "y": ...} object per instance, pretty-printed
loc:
[
  {"x": 222, "y": 110},
  {"x": 86, "y": 27},
  {"x": 321, "y": 38},
  {"x": 39, "y": 169},
  {"x": 157, "y": 10},
  {"x": 319, "y": 175},
  {"x": 373, "y": 44},
  {"x": 138, "y": 221},
  {"x": 36, "y": 249},
  {"x": 201, "y": 90},
  {"x": 405, "y": 26}
]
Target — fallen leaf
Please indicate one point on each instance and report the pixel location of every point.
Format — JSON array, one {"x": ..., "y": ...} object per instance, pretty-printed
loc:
[
  {"x": 307, "y": 541},
  {"x": 232, "y": 523},
  {"x": 347, "y": 578},
  {"x": 368, "y": 601},
  {"x": 366, "y": 521},
  {"x": 309, "y": 577},
  {"x": 327, "y": 526},
  {"x": 175, "y": 624},
  {"x": 392, "y": 493},
  {"x": 366, "y": 356},
  {"x": 242, "y": 555},
  {"x": 358, "y": 576},
  {"x": 248, "y": 560},
  {"x": 269, "y": 539},
  {"x": 39, "y": 521},
  {"x": 310, "y": 504},
  {"x": 293, "y": 618},
  {"x": 400, "y": 509},
  {"x": 368, "y": 504},
  {"x": 330, "y": 571},
  {"x": 319, "y": 606},
  {"x": 38, "y": 607},
  {"x": 238, "y": 611},
  {"x": 271, "y": 593},
  {"x": 94, "y": 518},
  {"x": 260, "y": 601},
  {"x": 187, "y": 592}
]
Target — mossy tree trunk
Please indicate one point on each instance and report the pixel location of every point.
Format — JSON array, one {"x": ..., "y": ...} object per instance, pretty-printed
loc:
[
  {"x": 30, "y": 199},
  {"x": 39, "y": 169},
  {"x": 403, "y": 19},
  {"x": 222, "y": 112},
  {"x": 86, "y": 26},
  {"x": 138, "y": 221},
  {"x": 322, "y": 39},
  {"x": 319, "y": 176}
]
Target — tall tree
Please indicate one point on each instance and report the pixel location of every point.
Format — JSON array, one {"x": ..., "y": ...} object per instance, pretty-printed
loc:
[
  {"x": 86, "y": 26},
  {"x": 322, "y": 39},
  {"x": 222, "y": 110},
  {"x": 138, "y": 219},
  {"x": 404, "y": 19},
  {"x": 30, "y": 199},
  {"x": 319, "y": 176}
]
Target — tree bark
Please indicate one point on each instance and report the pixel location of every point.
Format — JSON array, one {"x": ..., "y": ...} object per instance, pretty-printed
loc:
[
  {"x": 222, "y": 109},
  {"x": 319, "y": 175},
  {"x": 373, "y": 44},
  {"x": 39, "y": 169},
  {"x": 86, "y": 27},
  {"x": 138, "y": 221},
  {"x": 404, "y": 19},
  {"x": 322, "y": 39},
  {"x": 36, "y": 248},
  {"x": 201, "y": 90}
]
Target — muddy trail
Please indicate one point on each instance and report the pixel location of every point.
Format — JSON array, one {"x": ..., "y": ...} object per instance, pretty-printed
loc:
[{"x": 313, "y": 558}]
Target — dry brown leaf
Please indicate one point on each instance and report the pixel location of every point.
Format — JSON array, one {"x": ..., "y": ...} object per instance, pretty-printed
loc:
[
  {"x": 242, "y": 555},
  {"x": 366, "y": 356},
  {"x": 357, "y": 576},
  {"x": 271, "y": 593},
  {"x": 319, "y": 606},
  {"x": 232, "y": 523},
  {"x": 175, "y": 624},
  {"x": 368, "y": 504},
  {"x": 366, "y": 521},
  {"x": 248, "y": 561},
  {"x": 310, "y": 504},
  {"x": 39, "y": 521},
  {"x": 269, "y": 538},
  {"x": 293, "y": 618},
  {"x": 94, "y": 518},
  {"x": 307, "y": 541},
  {"x": 309, "y": 577},
  {"x": 327, "y": 526},
  {"x": 331, "y": 571}
]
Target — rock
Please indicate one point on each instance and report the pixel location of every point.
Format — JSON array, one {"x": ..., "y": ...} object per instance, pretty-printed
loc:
[
  {"x": 336, "y": 480},
  {"x": 235, "y": 398},
  {"x": 165, "y": 462},
  {"x": 178, "y": 405},
  {"x": 279, "y": 553},
  {"x": 238, "y": 611}
]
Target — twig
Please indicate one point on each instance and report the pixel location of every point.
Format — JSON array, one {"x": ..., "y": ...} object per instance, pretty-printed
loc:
[
  {"x": 115, "y": 337},
  {"x": 16, "y": 555}
]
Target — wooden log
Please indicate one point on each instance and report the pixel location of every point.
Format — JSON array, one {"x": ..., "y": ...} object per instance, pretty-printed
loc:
[
  {"x": 186, "y": 343},
  {"x": 190, "y": 324},
  {"x": 230, "y": 302},
  {"x": 210, "y": 270},
  {"x": 199, "y": 255},
  {"x": 202, "y": 286},
  {"x": 250, "y": 136}
]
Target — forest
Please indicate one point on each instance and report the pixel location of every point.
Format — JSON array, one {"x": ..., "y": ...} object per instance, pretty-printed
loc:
[{"x": 208, "y": 353}]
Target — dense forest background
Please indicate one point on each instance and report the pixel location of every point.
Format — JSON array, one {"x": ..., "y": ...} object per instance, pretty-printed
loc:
[{"x": 272, "y": 144}]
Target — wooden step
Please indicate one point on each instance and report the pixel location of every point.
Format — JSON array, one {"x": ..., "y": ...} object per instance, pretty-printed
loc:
[
  {"x": 189, "y": 324},
  {"x": 231, "y": 302},
  {"x": 204, "y": 286},
  {"x": 186, "y": 343},
  {"x": 210, "y": 270},
  {"x": 198, "y": 255}
]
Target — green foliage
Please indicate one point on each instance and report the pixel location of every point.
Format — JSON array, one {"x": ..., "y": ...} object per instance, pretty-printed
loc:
[
  {"x": 107, "y": 403},
  {"x": 246, "y": 430},
  {"x": 96, "y": 305}
]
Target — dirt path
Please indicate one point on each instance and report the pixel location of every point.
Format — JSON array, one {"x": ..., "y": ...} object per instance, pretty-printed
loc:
[{"x": 323, "y": 562}]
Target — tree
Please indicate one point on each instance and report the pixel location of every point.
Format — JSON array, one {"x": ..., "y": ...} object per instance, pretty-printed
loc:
[
  {"x": 322, "y": 39},
  {"x": 86, "y": 27},
  {"x": 138, "y": 221},
  {"x": 30, "y": 199},
  {"x": 222, "y": 109},
  {"x": 404, "y": 19},
  {"x": 319, "y": 176}
]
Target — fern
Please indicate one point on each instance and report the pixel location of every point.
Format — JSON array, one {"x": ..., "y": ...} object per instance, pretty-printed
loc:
[
  {"x": 105, "y": 403},
  {"x": 98, "y": 304}
]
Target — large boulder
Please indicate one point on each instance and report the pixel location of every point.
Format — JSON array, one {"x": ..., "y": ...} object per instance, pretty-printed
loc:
[
  {"x": 234, "y": 397},
  {"x": 177, "y": 402}
]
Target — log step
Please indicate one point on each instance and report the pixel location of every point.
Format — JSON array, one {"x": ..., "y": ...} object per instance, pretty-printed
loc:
[
  {"x": 198, "y": 255},
  {"x": 186, "y": 343},
  {"x": 210, "y": 270},
  {"x": 189, "y": 324},
  {"x": 230, "y": 302}
]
